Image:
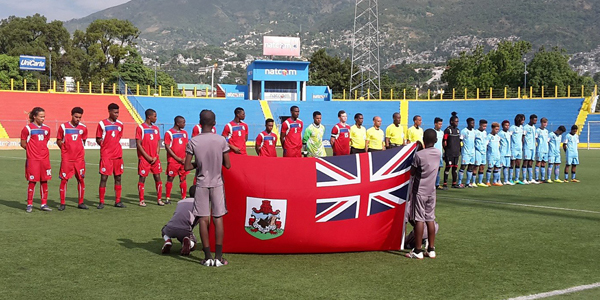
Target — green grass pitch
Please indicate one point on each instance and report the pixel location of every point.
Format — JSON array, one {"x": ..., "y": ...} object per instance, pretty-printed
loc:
[{"x": 489, "y": 247}]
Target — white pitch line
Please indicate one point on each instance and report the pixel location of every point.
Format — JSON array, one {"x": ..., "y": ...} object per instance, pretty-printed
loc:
[
  {"x": 58, "y": 161},
  {"x": 559, "y": 292},
  {"x": 525, "y": 205}
]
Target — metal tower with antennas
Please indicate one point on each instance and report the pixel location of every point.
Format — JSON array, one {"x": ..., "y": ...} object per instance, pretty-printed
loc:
[{"x": 365, "y": 72}]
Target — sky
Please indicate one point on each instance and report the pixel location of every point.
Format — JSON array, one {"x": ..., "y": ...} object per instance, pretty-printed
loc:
[{"x": 63, "y": 10}]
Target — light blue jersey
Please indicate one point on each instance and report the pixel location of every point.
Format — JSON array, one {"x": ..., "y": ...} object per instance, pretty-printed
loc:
[
  {"x": 504, "y": 143},
  {"x": 439, "y": 144},
  {"x": 530, "y": 136},
  {"x": 572, "y": 142},
  {"x": 554, "y": 142},
  {"x": 468, "y": 139},
  {"x": 516, "y": 138},
  {"x": 493, "y": 146},
  {"x": 481, "y": 140},
  {"x": 542, "y": 140}
]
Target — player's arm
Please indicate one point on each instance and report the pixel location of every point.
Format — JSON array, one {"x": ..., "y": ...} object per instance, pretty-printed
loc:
[
  {"x": 141, "y": 150},
  {"x": 367, "y": 143},
  {"x": 445, "y": 139},
  {"x": 257, "y": 144},
  {"x": 284, "y": 128},
  {"x": 333, "y": 134},
  {"x": 59, "y": 137},
  {"x": 188, "y": 165},
  {"x": 225, "y": 134},
  {"x": 24, "y": 135},
  {"x": 226, "y": 161}
]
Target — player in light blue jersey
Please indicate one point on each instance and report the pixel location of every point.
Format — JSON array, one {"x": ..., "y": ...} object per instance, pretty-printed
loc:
[
  {"x": 481, "y": 141},
  {"x": 493, "y": 156},
  {"x": 467, "y": 136},
  {"x": 437, "y": 126},
  {"x": 570, "y": 144},
  {"x": 554, "y": 141},
  {"x": 529, "y": 149},
  {"x": 516, "y": 148},
  {"x": 541, "y": 151},
  {"x": 504, "y": 135}
]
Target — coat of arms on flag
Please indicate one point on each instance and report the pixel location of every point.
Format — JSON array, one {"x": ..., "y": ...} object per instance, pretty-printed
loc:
[{"x": 265, "y": 218}]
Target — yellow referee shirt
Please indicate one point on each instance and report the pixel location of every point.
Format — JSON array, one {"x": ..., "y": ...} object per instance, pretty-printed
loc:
[
  {"x": 358, "y": 136},
  {"x": 376, "y": 138},
  {"x": 415, "y": 134},
  {"x": 395, "y": 134}
]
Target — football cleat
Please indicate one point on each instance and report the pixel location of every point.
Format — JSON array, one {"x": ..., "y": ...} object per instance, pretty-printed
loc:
[
  {"x": 430, "y": 254},
  {"x": 62, "y": 207},
  {"x": 524, "y": 181},
  {"x": 29, "y": 208},
  {"x": 166, "y": 248},
  {"x": 574, "y": 180},
  {"x": 558, "y": 181},
  {"x": 497, "y": 184},
  {"x": 519, "y": 182},
  {"x": 488, "y": 184},
  {"x": 119, "y": 204},
  {"x": 549, "y": 181},
  {"x": 82, "y": 206},
  {"x": 220, "y": 262},
  {"x": 482, "y": 185},
  {"x": 100, "y": 206},
  {"x": 207, "y": 262},
  {"x": 185, "y": 246},
  {"x": 45, "y": 207},
  {"x": 413, "y": 254},
  {"x": 534, "y": 182}
]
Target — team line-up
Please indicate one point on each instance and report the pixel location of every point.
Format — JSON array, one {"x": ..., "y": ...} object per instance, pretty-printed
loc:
[{"x": 514, "y": 149}]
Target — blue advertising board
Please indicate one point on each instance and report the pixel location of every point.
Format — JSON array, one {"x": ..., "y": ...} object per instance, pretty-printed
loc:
[
  {"x": 32, "y": 63},
  {"x": 261, "y": 70}
]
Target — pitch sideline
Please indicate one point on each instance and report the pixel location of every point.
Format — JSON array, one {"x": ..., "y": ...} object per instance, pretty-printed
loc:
[{"x": 559, "y": 292}]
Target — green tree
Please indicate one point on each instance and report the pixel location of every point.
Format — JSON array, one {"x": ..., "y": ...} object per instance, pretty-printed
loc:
[
  {"x": 9, "y": 69},
  {"x": 329, "y": 70},
  {"x": 551, "y": 68}
]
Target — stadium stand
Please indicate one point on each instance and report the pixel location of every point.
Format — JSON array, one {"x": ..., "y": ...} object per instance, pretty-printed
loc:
[
  {"x": 168, "y": 108},
  {"x": 16, "y": 106},
  {"x": 558, "y": 111}
]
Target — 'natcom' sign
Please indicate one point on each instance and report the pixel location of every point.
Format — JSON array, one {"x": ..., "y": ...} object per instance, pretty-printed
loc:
[
  {"x": 282, "y": 72},
  {"x": 281, "y": 46},
  {"x": 32, "y": 63}
]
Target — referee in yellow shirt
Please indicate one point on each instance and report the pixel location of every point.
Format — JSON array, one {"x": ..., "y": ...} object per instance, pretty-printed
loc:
[
  {"x": 375, "y": 136},
  {"x": 415, "y": 132},
  {"x": 394, "y": 134},
  {"x": 358, "y": 135}
]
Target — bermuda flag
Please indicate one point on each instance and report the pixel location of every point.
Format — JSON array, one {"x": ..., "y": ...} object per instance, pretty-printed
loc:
[{"x": 317, "y": 205}]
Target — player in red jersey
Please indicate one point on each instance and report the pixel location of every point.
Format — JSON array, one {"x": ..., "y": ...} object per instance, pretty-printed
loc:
[
  {"x": 147, "y": 139},
  {"x": 108, "y": 136},
  {"x": 34, "y": 139},
  {"x": 340, "y": 136},
  {"x": 236, "y": 132},
  {"x": 291, "y": 134},
  {"x": 70, "y": 139},
  {"x": 266, "y": 141},
  {"x": 176, "y": 140}
]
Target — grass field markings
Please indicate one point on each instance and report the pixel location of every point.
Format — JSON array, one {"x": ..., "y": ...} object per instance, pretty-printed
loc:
[
  {"x": 522, "y": 204},
  {"x": 559, "y": 292},
  {"x": 58, "y": 161}
]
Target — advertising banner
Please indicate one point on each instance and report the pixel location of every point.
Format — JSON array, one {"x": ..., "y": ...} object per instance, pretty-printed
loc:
[
  {"x": 280, "y": 96},
  {"x": 32, "y": 63},
  {"x": 320, "y": 205},
  {"x": 281, "y": 46}
]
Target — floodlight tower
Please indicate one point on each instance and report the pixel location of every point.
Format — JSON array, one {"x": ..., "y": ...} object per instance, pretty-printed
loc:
[{"x": 365, "y": 72}]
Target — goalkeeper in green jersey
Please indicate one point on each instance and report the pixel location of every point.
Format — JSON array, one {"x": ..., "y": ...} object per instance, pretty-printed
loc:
[{"x": 313, "y": 137}]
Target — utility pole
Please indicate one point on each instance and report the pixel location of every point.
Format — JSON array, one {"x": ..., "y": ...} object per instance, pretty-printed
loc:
[
  {"x": 155, "y": 66},
  {"x": 525, "y": 73},
  {"x": 50, "y": 48}
]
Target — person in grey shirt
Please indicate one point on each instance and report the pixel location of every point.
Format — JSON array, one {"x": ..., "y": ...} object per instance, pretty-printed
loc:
[
  {"x": 211, "y": 152},
  {"x": 181, "y": 226},
  {"x": 422, "y": 196}
]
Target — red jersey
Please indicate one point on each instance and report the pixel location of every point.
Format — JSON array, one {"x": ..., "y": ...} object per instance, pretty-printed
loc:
[
  {"x": 293, "y": 133},
  {"x": 150, "y": 137},
  {"x": 177, "y": 141},
  {"x": 37, "y": 138},
  {"x": 198, "y": 129},
  {"x": 236, "y": 134},
  {"x": 267, "y": 142},
  {"x": 73, "y": 138},
  {"x": 341, "y": 133},
  {"x": 111, "y": 134}
]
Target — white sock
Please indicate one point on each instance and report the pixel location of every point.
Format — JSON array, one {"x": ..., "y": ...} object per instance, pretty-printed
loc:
[
  {"x": 192, "y": 244},
  {"x": 166, "y": 238}
]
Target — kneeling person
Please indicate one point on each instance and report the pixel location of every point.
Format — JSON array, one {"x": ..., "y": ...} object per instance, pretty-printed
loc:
[{"x": 181, "y": 226}]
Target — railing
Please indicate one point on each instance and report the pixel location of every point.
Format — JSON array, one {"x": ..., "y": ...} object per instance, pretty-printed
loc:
[{"x": 405, "y": 94}]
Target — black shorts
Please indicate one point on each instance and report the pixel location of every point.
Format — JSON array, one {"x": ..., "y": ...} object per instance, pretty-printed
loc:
[
  {"x": 451, "y": 161},
  {"x": 354, "y": 150}
]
